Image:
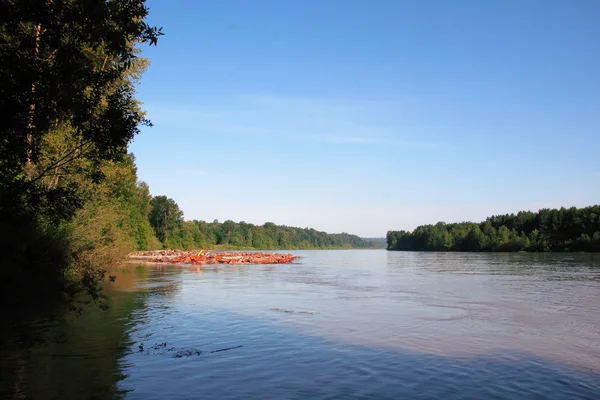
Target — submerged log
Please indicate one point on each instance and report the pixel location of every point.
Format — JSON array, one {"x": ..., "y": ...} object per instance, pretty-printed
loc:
[{"x": 211, "y": 257}]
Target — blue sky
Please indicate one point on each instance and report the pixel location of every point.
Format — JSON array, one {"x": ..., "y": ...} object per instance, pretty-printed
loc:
[{"x": 369, "y": 116}]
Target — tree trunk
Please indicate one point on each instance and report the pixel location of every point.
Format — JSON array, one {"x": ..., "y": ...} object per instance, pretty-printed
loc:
[{"x": 30, "y": 125}]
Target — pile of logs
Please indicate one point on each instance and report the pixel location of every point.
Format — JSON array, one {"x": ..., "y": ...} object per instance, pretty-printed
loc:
[{"x": 211, "y": 257}]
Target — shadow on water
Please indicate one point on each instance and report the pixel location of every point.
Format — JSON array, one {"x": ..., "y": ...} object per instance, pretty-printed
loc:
[
  {"x": 62, "y": 355},
  {"x": 280, "y": 364}
]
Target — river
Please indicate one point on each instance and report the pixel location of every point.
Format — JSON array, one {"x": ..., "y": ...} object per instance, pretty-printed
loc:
[{"x": 335, "y": 325}]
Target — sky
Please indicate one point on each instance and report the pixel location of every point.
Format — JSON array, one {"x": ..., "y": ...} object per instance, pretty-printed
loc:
[{"x": 368, "y": 116}]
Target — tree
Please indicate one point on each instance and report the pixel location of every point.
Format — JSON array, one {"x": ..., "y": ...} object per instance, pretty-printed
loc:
[
  {"x": 67, "y": 94},
  {"x": 68, "y": 67},
  {"x": 570, "y": 229},
  {"x": 165, "y": 216}
]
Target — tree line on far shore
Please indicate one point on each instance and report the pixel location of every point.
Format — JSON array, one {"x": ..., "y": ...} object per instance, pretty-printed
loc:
[
  {"x": 548, "y": 230},
  {"x": 173, "y": 232}
]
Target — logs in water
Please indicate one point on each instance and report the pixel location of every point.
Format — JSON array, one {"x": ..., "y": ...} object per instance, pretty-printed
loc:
[{"x": 212, "y": 257}]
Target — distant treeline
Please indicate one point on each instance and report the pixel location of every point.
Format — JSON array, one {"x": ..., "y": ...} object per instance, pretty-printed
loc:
[
  {"x": 174, "y": 232},
  {"x": 376, "y": 242},
  {"x": 572, "y": 229}
]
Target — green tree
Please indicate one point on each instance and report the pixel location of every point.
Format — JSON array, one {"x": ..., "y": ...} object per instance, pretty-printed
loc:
[
  {"x": 67, "y": 90},
  {"x": 165, "y": 217},
  {"x": 69, "y": 69},
  {"x": 573, "y": 229}
]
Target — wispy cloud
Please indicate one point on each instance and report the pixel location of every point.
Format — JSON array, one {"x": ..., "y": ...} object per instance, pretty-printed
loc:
[
  {"x": 347, "y": 139},
  {"x": 421, "y": 145},
  {"x": 326, "y": 121}
]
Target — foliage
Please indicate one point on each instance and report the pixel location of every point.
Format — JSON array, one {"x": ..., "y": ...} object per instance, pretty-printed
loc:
[
  {"x": 113, "y": 221},
  {"x": 67, "y": 92},
  {"x": 165, "y": 217},
  {"x": 376, "y": 242},
  {"x": 176, "y": 233},
  {"x": 572, "y": 229}
]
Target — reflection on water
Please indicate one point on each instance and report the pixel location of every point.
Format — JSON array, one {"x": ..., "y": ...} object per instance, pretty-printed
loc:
[
  {"x": 79, "y": 357},
  {"x": 339, "y": 324}
]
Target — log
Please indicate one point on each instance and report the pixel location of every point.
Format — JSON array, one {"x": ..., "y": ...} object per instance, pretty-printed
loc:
[{"x": 207, "y": 257}]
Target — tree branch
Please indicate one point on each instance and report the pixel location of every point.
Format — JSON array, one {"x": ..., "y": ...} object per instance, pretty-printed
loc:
[{"x": 67, "y": 158}]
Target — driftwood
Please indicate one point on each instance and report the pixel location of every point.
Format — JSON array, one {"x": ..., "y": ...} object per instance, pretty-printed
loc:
[{"x": 211, "y": 257}]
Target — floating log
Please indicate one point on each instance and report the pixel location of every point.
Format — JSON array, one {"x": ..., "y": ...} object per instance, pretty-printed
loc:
[{"x": 211, "y": 257}]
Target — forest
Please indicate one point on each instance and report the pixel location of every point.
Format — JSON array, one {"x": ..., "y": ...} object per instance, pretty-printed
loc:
[
  {"x": 70, "y": 202},
  {"x": 174, "y": 232},
  {"x": 548, "y": 230}
]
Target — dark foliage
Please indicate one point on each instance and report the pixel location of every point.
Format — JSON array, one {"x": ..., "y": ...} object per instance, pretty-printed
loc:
[{"x": 572, "y": 229}]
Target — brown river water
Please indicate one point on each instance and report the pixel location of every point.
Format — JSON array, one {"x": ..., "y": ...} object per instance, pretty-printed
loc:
[{"x": 364, "y": 324}]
